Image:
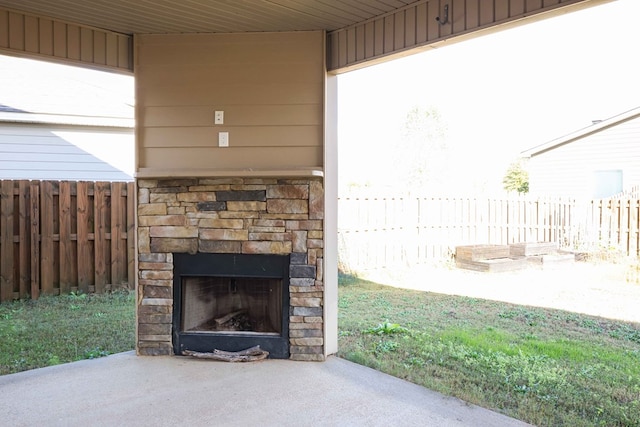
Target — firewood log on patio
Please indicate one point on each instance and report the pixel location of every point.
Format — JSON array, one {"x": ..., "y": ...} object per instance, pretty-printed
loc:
[{"x": 249, "y": 355}]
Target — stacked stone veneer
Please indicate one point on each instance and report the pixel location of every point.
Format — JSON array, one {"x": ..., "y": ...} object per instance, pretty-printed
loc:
[{"x": 239, "y": 215}]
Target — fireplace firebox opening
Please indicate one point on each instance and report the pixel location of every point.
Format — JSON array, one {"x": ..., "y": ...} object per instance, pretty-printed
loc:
[{"x": 231, "y": 302}]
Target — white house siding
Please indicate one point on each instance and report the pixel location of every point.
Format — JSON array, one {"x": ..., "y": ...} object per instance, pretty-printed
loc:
[
  {"x": 568, "y": 170},
  {"x": 29, "y": 151}
]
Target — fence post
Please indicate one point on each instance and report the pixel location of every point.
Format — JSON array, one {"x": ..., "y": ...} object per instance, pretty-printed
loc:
[
  {"x": 24, "y": 263},
  {"x": 6, "y": 241},
  {"x": 34, "y": 212},
  {"x": 46, "y": 238},
  {"x": 118, "y": 248},
  {"x": 411, "y": 222},
  {"x": 66, "y": 251},
  {"x": 100, "y": 233},
  {"x": 85, "y": 250},
  {"x": 131, "y": 234},
  {"x": 633, "y": 226}
]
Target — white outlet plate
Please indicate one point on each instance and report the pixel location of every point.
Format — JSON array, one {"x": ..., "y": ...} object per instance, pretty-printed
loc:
[
  {"x": 223, "y": 139},
  {"x": 218, "y": 118}
]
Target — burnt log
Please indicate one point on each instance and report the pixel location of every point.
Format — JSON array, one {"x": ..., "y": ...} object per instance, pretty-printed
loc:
[{"x": 224, "y": 319}]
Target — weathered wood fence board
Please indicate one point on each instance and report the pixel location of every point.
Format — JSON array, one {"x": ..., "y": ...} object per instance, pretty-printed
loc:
[
  {"x": 6, "y": 241},
  {"x": 85, "y": 248},
  {"x": 423, "y": 229},
  {"x": 63, "y": 236},
  {"x": 57, "y": 237},
  {"x": 34, "y": 247}
]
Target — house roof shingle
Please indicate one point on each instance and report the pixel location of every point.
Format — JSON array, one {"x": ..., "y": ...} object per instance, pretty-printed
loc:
[
  {"x": 581, "y": 133},
  {"x": 39, "y": 92}
]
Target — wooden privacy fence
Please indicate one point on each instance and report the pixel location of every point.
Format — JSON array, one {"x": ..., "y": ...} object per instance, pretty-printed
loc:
[
  {"x": 63, "y": 236},
  {"x": 383, "y": 232}
]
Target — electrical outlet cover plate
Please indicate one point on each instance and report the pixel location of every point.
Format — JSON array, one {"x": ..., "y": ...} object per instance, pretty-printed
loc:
[
  {"x": 218, "y": 118},
  {"x": 223, "y": 139}
]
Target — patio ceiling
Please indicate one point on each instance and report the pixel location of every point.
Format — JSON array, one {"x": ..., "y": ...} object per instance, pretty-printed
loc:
[
  {"x": 99, "y": 33},
  {"x": 207, "y": 16}
]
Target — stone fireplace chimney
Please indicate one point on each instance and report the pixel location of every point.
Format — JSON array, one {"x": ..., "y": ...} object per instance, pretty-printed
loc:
[
  {"x": 243, "y": 216},
  {"x": 232, "y": 159}
]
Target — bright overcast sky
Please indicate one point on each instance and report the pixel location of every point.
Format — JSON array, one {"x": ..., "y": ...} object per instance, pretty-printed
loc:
[
  {"x": 498, "y": 94},
  {"x": 502, "y": 93}
]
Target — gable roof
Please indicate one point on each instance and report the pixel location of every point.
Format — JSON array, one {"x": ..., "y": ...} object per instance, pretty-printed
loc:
[
  {"x": 17, "y": 116},
  {"x": 582, "y": 133}
]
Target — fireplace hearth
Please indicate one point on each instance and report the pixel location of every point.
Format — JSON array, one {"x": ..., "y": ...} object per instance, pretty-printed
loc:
[{"x": 231, "y": 302}]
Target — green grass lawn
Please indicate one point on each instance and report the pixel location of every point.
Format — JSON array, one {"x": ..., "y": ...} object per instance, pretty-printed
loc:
[
  {"x": 61, "y": 329},
  {"x": 546, "y": 367}
]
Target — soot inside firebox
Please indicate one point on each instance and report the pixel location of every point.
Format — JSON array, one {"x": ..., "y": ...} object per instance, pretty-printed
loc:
[{"x": 231, "y": 304}]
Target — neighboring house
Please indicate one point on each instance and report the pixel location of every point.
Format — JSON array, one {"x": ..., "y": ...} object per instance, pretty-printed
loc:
[
  {"x": 63, "y": 125},
  {"x": 101, "y": 151},
  {"x": 598, "y": 161}
]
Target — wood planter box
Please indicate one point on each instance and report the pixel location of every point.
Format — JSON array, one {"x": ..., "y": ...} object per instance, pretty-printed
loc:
[
  {"x": 481, "y": 252},
  {"x": 493, "y": 265},
  {"x": 532, "y": 248},
  {"x": 552, "y": 259}
]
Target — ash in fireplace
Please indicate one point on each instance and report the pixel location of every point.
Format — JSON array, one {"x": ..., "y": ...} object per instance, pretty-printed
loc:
[{"x": 234, "y": 321}]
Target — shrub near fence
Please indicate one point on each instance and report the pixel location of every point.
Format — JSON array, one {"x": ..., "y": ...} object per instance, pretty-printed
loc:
[
  {"x": 63, "y": 236},
  {"x": 392, "y": 231}
]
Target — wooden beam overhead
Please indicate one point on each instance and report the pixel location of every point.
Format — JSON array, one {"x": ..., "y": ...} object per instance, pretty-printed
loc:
[
  {"x": 99, "y": 33},
  {"x": 49, "y": 39},
  {"x": 430, "y": 24}
]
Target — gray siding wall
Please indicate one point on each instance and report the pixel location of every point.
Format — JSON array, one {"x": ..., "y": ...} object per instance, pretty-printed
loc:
[
  {"x": 568, "y": 170},
  {"x": 65, "y": 153}
]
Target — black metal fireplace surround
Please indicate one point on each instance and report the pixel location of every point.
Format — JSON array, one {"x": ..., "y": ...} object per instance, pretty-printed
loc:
[{"x": 231, "y": 302}]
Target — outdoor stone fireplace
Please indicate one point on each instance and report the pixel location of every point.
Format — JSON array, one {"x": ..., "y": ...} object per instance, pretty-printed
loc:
[
  {"x": 231, "y": 302},
  {"x": 229, "y": 263}
]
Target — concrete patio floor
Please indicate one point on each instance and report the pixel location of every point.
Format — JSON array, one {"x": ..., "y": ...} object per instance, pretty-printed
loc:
[{"x": 127, "y": 390}]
